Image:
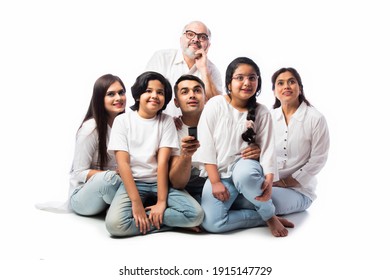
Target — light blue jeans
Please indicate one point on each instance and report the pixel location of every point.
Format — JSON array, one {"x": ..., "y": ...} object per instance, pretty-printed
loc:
[
  {"x": 96, "y": 194},
  {"x": 182, "y": 210},
  {"x": 287, "y": 201},
  {"x": 195, "y": 189},
  {"x": 247, "y": 179}
]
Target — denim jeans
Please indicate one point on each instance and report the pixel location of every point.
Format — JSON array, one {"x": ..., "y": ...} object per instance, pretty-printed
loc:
[
  {"x": 182, "y": 210},
  {"x": 96, "y": 194},
  {"x": 195, "y": 189},
  {"x": 247, "y": 179},
  {"x": 287, "y": 201}
]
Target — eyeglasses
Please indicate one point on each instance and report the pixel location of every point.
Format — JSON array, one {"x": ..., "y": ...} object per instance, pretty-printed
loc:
[
  {"x": 251, "y": 78},
  {"x": 201, "y": 36}
]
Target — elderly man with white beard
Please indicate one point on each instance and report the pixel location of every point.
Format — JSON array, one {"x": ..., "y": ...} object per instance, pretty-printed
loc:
[{"x": 190, "y": 59}]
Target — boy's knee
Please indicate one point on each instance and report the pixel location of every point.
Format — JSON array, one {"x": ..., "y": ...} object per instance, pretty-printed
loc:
[
  {"x": 115, "y": 227},
  {"x": 112, "y": 227},
  {"x": 194, "y": 215},
  {"x": 198, "y": 217}
]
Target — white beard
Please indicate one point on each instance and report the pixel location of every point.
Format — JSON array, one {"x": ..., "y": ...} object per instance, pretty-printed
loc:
[{"x": 188, "y": 52}]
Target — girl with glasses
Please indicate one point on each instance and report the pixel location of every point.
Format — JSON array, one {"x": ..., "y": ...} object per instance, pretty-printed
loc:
[{"x": 227, "y": 126}]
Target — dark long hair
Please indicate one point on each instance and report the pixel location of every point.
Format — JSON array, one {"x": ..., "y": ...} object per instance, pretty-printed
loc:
[
  {"x": 97, "y": 111},
  {"x": 141, "y": 84},
  {"x": 249, "y": 134},
  {"x": 296, "y": 75}
]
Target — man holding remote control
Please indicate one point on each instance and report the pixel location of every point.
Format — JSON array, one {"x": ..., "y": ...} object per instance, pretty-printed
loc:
[{"x": 184, "y": 169}]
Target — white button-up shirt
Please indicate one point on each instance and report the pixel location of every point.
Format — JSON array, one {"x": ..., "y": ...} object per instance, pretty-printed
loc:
[
  {"x": 171, "y": 64},
  {"x": 86, "y": 155},
  {"x": 301, "y": 146},
  {"x": 219, "y": 131}
]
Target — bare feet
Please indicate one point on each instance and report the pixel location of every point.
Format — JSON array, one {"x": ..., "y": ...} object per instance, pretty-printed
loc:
[
  {"x": 196, "y": 229},
  {"x": 285, "y": 222},
  {"x": 278, "y": 226}
]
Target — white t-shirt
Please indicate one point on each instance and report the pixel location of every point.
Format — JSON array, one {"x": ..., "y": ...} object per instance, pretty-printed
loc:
[
  {"x": 86, "y": 154},
  {"x": 302, "y": 146},
  {"x": 142, "y": 138},
  {"x": 171, "y": 64},
  {"x": 219, "y": 131}
]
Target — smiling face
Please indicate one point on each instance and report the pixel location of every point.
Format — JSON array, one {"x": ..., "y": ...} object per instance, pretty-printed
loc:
[
  {"x": 243, "y": 84},
  {"x": 115, "y": 100},
  {"x": 287, "y": 89},
  {"x": 152, "y": 100}
]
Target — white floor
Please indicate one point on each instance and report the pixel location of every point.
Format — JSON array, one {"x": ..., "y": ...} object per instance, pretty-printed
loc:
[
  {"x": 94, "y": 242},
  {"x": 344, "y": 233},
  {"x": 322, "y": 244}
]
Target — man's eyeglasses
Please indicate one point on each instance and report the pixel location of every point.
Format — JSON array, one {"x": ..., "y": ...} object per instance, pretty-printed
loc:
[
  {"x": 241, "y": 78},
  {"x": 201, "y": 36}
]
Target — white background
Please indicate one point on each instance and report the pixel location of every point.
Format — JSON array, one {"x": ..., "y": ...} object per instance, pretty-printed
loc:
[{"x": 51, "y": 53}]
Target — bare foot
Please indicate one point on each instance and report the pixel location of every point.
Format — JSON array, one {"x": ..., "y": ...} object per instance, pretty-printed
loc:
[
  {"x": 193, "y": 229},
  {"x": 277, "y": 228},
  {"x": 285, "y": 222}
]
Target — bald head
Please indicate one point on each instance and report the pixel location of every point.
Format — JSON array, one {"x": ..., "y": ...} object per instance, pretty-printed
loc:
[{"x": 197, "y": 25}]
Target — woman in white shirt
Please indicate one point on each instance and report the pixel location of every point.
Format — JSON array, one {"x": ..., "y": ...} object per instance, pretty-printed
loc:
[
  {"x": 302, "y": 143},
  {"x": 94, "y": 180},
  {"x": 142, "y": 139},
  {"x": 227, "y": 126}
]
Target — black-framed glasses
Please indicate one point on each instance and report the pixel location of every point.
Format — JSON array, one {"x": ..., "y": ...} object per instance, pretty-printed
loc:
[{"x": 201, "y": 36}]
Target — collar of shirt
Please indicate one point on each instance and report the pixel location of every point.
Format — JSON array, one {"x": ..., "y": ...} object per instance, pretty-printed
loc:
[
  {"x": 179, "y": 58},
  {"x": 298, "y": 115}
]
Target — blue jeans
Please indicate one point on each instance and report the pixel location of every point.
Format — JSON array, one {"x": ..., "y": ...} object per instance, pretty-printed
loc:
[
  {"x": 287, "y": 201},
  {"x": 96, "y": 194},
  {"x": 195, "y": 189},
  {"x": 182, "y": 210},
  {"x": 247, "y": 179}
]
